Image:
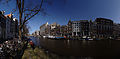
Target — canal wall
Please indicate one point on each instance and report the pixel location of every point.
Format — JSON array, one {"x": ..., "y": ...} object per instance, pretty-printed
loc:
[{"x": 82, "y": 47}]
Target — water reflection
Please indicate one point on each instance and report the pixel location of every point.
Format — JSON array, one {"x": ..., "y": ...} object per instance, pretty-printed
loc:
[
  {"x": 51, "y": 55},
  {"x": 68, "y": 43},
  {"x": 78, "y": 47}
]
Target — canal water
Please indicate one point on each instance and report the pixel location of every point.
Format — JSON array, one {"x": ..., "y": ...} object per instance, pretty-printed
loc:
[
  {"x": 52, "y": 44},
  {"x": 35, "y": 40},
  {"x": 52, "y": 55}
]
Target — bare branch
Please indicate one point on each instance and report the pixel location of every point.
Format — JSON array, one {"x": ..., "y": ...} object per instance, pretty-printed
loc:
[
  {"x": 22, "y": 5},
  {"x": 35, "y": 13},
  {"x": 27, "y": 9}
]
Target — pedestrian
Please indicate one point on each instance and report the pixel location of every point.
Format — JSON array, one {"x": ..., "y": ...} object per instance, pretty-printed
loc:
[{"x": 32, "y": 45}]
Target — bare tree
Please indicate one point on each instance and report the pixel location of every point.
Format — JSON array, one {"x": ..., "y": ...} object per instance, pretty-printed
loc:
[
  {"x": 25, "y": 31},
  {"x": 26, "y": 14}
]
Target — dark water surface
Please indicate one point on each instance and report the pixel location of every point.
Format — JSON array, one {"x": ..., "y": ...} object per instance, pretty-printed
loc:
[{"x": 77, "y": 49}]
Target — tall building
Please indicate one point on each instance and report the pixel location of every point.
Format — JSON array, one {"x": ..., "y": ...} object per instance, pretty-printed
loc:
[
  {"x": 43, "y": 28},
  {"x": 76, "y": 28},
  {"x": 55, "y": 29},
  {"x": 8, "y": 22},
  {"x": 63, "y": 30},
  {"x": 80, "y": 28},
  {"x": 100, "y": 28},
  {"x": 84, "y": 24},
  {"x": 50, "y": 29},
  {"x": 116, "y": 30},
  {"x": 3, "y": 26},
  {"x": 69, "y": 28},
  {"x": 11, "y": 26},
  {"x": 47, "y": 30},
  {"x": 36, "y": 33},
  {"x": 16, "y": 27},
  {"x": 103, "y": 28},
  {"x": 91, "y": 28},
  {"x": 54, "y": 25},
  {"x": 8, "y": 26}
]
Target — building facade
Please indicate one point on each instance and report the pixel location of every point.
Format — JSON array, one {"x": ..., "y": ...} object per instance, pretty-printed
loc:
[
  {"x": 50, "y": 29},
  {"x": 80, "y": 28},
  {"x": 91, "y": 28},
  {"x": 100, "y": 28},
  {"x": 116, "y": 30},
  {"x": 8, "y": 26},
  {"x": 36, "y": 33},
  {"x": 3, "y": 26},
  {"x": 8, "y": 22},
  {"x": 63, "y": 30},
  {"x": 55, "y": 29},
  {"x": 84, "y": 24},
  {"x": 11, "y": 26},
  {"x": 69, "y": 28},
  {"x": 103, "y": 28},
  {"x": 76, "y": 28},
  {"x": 16, "y": 26},
  {"x": 43, "y": 29}
]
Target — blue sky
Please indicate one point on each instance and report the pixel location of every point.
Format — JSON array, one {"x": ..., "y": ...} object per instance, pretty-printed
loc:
[{"x": 61, "y": 11}]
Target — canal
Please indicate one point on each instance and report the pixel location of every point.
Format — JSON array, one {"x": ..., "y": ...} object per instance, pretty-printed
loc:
[{"x": 77, "y": 49}]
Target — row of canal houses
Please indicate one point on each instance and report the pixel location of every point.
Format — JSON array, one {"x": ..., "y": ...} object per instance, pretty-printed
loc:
[
  {"x": 8, "y": 26},
  {"x": 101, "y": 28}
]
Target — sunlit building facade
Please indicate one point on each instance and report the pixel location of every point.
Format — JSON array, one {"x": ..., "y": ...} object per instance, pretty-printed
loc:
[{"x": 80, "y": 28}]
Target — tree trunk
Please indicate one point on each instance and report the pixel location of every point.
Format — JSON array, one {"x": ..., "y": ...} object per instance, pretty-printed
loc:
[
  {"x": 20, "y": 34},
  {"x": 23, "y": 30},
  {"x": 20, "y": 19},
  {"x": 20, "y": 23}
]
